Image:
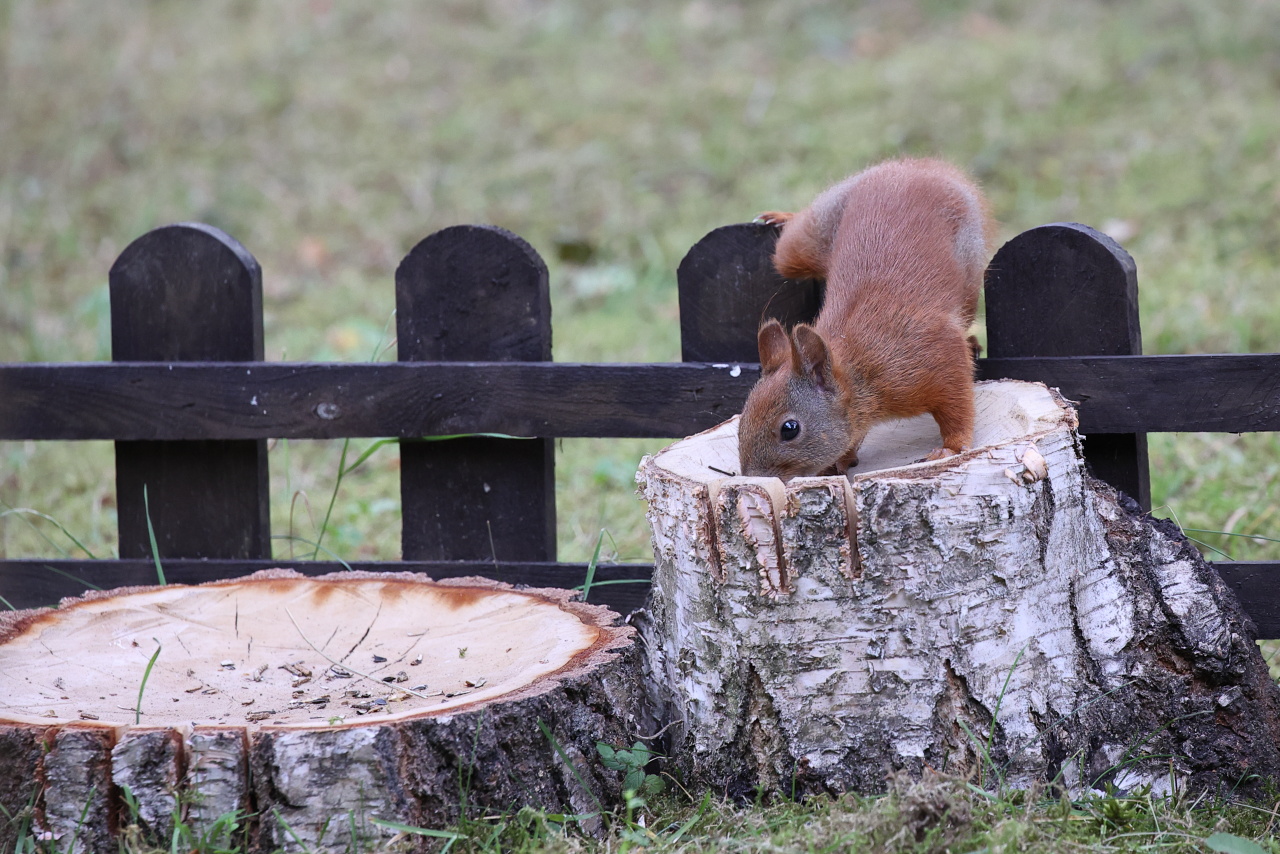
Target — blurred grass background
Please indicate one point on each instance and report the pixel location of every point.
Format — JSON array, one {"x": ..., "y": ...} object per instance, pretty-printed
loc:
[{"x": 329, "y": 138}]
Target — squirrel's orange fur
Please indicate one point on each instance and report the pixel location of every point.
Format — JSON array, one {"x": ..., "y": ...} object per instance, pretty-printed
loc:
[{"x": 903, "y": 247}]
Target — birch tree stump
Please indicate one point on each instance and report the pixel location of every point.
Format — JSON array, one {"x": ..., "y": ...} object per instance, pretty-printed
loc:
[
  {"x": 999, "y": 614},
  {"x": 320, "y": 705}
]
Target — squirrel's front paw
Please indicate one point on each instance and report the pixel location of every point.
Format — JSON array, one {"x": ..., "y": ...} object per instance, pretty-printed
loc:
[{"x": 777, "y": 218}]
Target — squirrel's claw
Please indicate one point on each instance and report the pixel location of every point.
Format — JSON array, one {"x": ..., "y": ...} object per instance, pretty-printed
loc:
[
  {"x": 777, "y": 218},
  {"x": 938, "y": 454}
]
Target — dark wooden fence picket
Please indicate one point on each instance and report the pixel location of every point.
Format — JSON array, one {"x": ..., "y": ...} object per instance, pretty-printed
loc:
[
  {"x": 475, "y": 294},
  {"x": 1065, "y": 289},
  {"x": 185, "y": 293},
  {"x": 728, "y": 286}
]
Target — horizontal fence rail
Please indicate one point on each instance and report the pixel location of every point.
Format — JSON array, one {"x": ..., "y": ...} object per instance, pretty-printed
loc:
[{"x": 266, "y": 400}]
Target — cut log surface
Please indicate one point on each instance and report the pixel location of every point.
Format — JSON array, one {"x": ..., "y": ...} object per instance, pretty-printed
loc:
[
  {"x": 312, "y": 702},
  {"x": 998, "y": 613}
]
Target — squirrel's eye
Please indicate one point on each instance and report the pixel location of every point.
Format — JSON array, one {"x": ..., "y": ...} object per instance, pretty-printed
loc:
[{"x": 790, "y": 429}]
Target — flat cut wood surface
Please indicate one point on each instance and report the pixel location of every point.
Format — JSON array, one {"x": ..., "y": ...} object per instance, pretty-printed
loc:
[
  {"x": 240, "y": 653},
  {"x": 1002, "y": 415}
]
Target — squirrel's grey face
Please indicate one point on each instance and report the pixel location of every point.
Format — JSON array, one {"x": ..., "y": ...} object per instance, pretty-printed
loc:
[{"x": 793, "y": 431}]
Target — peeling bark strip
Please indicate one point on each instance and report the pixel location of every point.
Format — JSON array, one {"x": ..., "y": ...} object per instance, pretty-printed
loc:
[
  {"x": 318, "y": 704},
  {"x": 910, "y": 614}
]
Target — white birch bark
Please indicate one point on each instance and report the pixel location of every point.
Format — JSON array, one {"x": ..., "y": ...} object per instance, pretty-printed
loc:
[{"x": 997, "y": 613}]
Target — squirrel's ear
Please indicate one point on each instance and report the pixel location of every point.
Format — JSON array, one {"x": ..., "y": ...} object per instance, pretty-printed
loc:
[
  {"x": 813, "y": 357},
  {"x": 775, "y": 346}
]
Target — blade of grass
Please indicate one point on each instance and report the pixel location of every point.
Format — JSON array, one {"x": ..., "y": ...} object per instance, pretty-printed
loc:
[
  {"x": 84, "y": 814},
  {"x": 1232, "y": 534},
  {"x": 418, "y": 831},
  {"x": 151, "y": 533},
  {"x": 66, "y": 574},
  {"x": 381, "y": 443},
  {"x": 451, "y": 436},
  {"x": 333, "y": 497},
  {"x": 317, "y": 545},
  {"x": 289, "y": 830},
  {"x": 546, "y": 731},
  {"x": 22, "y": 512},
  {"x": 1213, "y": 548},
  {"x": 688, "y": 825},
  {"x": 615, "y": 581},
  {"x": 146, "y": 674},
  {"x": 1178, "y": 522},
  {"x": 1004, "y": 689},
  {"x": 591, "y": 567}
]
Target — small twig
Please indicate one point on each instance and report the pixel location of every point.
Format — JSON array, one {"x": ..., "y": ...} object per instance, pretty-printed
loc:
[
  {"x": 1275, "y": 810},
  {"x": 349, "y": 669},
  {"x": 493, "y": 550},
  {"x": 722, "y": 471},
  {"x": 659, "y": 732},
  {"x": 368, "y": 629}
]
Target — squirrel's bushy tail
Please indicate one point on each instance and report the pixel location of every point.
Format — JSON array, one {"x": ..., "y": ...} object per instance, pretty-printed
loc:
[{"x": 805, "y": 245}]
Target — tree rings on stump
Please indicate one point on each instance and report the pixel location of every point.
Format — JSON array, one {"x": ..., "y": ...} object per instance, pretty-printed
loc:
[{"x": 318, "y": 704}]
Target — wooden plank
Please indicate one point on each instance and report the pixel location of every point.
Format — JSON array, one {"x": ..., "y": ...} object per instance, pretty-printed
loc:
[
  {"x": 1213, "y": 393},
  {"x": 1257, "y": 586},
  {"x": 728, "y": 286},
  {"x": 314, "y": 401},
  {"x": 36, "y": 582},
  {"x": 1159, "y": 394},
  {"x": 189, "y": 292},
  {"x": 466, "y": 293},
  {"x": 1065, "y": 289}
]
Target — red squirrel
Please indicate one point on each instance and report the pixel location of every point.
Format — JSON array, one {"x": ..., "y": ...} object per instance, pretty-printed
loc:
[{"x": 903, "y": 247}]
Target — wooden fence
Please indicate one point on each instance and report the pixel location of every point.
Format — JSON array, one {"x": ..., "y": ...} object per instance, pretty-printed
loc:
[{"x": 190, "y": 403}]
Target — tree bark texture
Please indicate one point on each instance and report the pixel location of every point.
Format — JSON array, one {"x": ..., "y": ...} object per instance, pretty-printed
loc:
[
  {"x": 998, "y": 613},
  {"x": 321, "y": 706}
]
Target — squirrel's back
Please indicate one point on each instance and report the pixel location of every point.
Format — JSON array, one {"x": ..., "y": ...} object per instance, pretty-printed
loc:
[
  {"x": 886, "y": 220},
  {"x": 903, "y": 248}
]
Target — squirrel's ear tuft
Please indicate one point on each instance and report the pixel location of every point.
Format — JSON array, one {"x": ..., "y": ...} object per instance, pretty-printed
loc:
[
  {"x": 775, "y": 346},
  {"x": 813, "y": 358}
]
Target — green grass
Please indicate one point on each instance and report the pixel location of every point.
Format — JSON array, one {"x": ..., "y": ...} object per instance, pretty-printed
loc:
[
  {"x": 329, "y": 138},
  {"x": 330, "y": 141},
  {"x": 937, "y": 814}
]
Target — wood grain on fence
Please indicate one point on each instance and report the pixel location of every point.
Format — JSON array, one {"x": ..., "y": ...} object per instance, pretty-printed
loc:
[
  {"x": 180, "y": 293},
  {"x": 474, "y": 293},
  {"x": 728, "y": 287},
  {"x": 1115, "y": 394},
  {"x": 1067, "y": 290}
]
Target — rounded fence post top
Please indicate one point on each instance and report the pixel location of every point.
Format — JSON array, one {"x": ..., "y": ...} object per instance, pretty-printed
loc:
[{"x": 207, "y": 238}]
